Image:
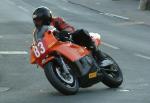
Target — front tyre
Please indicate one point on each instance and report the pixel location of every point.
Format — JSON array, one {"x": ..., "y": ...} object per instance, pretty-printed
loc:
[
  {"x": 66, "y": 84},
  {"x": 112, "y": 75}
]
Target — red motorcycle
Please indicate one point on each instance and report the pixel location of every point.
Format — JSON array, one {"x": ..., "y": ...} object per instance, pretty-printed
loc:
[{"x": 69, "y": 66}]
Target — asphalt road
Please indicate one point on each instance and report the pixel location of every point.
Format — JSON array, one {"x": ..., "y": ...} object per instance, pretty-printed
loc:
[{"x": 124, "y": 40}]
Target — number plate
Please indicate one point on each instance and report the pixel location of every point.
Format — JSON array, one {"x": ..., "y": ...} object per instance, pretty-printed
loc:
[
  {"x": 92, "y": 75},
  {"x": 39, "y": 49}
]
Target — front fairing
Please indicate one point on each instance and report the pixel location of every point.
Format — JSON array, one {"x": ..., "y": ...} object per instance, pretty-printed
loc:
[{"x": 41, "y": 48}]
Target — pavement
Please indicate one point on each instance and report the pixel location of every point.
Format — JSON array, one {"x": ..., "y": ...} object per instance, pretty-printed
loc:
[
  {"x": 126, "y": 41},
  {"x": 125, "y": 9}
]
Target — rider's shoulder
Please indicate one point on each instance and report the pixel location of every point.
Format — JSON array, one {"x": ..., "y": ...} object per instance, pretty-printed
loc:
[{"x": 58, "y": 18}]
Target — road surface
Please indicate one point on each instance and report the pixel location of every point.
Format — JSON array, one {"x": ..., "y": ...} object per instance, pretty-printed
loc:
[{"x": 127, "y": 42}]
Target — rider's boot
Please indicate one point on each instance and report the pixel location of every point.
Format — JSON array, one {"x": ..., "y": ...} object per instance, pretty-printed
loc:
[{"x": 104, "y": 62}]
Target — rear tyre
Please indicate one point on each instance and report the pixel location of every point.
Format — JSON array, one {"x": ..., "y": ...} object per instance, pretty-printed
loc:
[
  {"x": 66, "y": 84},
  {"x": 112, "y": 75}
]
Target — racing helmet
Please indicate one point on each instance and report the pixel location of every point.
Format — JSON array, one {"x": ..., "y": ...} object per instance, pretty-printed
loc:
[{"x": 42, "y": 16}]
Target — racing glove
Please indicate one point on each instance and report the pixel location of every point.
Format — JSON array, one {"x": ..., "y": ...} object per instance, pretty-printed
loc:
[{"x": 64, "y": 35}]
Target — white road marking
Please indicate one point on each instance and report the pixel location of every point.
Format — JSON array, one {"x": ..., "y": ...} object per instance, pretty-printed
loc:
[
  {"x": 142, "y": 56},
  {"x": 11, "y": 2},
  {"x": 1, "y": 36},
  {"x": 13, "y": 52},
  {"x": 3, "y": 89},
  {"x": 114, "y": 15},
  {"x": 24, "y": 9},
  {"x": 111, "y": 46},
  {"x": 65, "y": 0},
  {"x": 15, "y": 36},
  {"x": 146, "y": 84},
  {"x": 97, "y": 3},
  {"x": 101, "y": 12},
  {"x": 130, "y": 23},
  {"x": 43, "y": 91},
  {"x": 124, "y": 90},
  {"x": 118, "y": 16}
]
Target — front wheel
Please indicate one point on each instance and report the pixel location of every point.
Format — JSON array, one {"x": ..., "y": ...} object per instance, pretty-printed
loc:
[
  {"x": 66, "y": 83},
  {"x": 112, "y": 75}
]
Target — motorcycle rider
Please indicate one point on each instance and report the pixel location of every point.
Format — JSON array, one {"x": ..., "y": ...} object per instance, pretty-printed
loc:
[{"x": 42, "y": 16}]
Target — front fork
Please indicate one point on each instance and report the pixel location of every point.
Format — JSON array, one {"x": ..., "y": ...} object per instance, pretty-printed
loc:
[{"x": 62, "y": 64}]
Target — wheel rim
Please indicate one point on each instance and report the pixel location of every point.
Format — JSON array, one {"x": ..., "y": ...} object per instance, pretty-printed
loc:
[
  {"x": 67, "y": 78},
  {"x": 112, "y": 71}
]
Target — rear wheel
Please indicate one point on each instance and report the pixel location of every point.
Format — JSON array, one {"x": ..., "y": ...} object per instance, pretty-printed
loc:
[
  {"x": 112, "y": 75},
  {"x": 66, "y": 83}
]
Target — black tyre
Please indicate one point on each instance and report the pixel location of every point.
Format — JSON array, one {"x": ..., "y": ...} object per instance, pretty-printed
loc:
[
  {"x": 66, "y": 84},
  {"x": 112, "y": 75}
]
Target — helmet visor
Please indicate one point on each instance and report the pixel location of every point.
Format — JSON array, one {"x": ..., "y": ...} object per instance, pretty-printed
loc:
[{"x": 38, "y": 22}]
